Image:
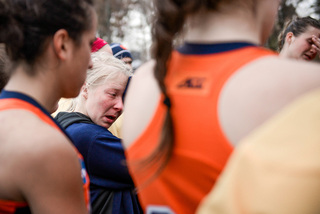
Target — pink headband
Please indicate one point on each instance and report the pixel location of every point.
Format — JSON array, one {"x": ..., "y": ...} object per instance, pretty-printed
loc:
[{"x": 98, "y": 44}]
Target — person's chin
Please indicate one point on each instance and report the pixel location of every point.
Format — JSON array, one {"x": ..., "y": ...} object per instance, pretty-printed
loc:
[{"x": 105, "y": 125}]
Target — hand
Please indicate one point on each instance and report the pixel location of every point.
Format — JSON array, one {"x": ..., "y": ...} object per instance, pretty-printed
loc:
[{"x": 316, "y": 43}]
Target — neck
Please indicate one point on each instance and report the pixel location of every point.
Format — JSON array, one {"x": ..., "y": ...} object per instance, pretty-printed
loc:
[
  {"x": 212, "y": 27},
  {"x": 284, "y": 53},
  {"x": 40, "y": 87},
  {"x": 80, "y": 106}
]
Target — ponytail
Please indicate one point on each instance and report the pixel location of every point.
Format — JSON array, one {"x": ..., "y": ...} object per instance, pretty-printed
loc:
[{"x": 168, "y": 26}]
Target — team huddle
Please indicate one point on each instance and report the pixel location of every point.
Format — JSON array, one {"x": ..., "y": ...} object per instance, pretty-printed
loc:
[{"x": 214, "y": 123}]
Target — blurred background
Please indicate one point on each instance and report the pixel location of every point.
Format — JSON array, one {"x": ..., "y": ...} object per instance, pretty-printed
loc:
[{"x": 129, "y": 22}]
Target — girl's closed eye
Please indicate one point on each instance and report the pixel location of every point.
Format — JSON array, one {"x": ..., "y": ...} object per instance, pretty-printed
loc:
[{"x": 112, "y": 94}]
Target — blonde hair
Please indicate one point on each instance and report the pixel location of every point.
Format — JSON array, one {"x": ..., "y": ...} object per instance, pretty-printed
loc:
[{"x": 105, "y": 68}]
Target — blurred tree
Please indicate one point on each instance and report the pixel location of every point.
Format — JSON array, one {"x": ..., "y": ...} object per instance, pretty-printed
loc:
[
  {"x": 125, "y": 21},
  {"x": 317, "y": 8},
  {"x": 110, "y": 13}
]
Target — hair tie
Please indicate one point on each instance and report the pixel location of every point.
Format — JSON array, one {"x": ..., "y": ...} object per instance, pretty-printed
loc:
[{"x": 167, "y": 101}]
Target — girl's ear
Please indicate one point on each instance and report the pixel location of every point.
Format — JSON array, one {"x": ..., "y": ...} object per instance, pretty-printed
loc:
[
  {"x": 84, "y": 91},
  {"x": 289, "y": 37},
  {"x": 62, "y": 44}
]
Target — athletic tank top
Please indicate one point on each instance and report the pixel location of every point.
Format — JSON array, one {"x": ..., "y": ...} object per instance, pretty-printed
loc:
[
  {"x": 15, "y": 100},
  {"x": 195, "y": 78}
]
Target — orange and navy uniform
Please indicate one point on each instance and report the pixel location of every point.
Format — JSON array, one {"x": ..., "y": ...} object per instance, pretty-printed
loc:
[
  {"x": 195, "y": 78},
  {"x": 14, "y": 100}
]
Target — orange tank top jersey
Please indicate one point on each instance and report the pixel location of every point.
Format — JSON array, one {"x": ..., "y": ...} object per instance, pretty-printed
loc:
[
  {"x": 13, "y": 100},
  {"x": 194, "y": 81}
]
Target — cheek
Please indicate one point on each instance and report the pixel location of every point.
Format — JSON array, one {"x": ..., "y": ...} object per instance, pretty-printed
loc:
[
  {"x": 87, "y": 58},
  {"x": 300, "y": 47},
  {"x": 82, "y": 67},
  {"x": 304, "y": 45},
  {"x": 83, "y": 77},
  {"x": 105, "y": 104},
  {"x": 93, "y": 102}
]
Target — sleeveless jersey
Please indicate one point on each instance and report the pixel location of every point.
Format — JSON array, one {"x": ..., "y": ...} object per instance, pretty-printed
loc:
[
  {"x": 13, "y": 100},
  {"x": 195, "y": 78}
]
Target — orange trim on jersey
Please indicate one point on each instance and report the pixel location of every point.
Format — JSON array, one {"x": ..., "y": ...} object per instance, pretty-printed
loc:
[
  {"x": 152, "y": 130},
  {"x": 15, "y": 103},
  {"x": 194, "y": 84}
]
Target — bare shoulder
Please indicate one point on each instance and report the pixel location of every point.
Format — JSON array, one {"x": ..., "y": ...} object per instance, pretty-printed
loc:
[
  {"x": 286, "y": 64},
  {"x": 145, "y": 72},
  {"x": 141, "y": 102},
  {"x": 40, "y": 141},
  {"x": 45, "y": 169},
  {"x": 143, "y": 79},
  {"x": 262, "y": 88},
  {"x": 31, "y": 134}
]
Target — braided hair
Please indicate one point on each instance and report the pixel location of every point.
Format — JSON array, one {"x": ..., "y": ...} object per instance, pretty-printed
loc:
[{"x": 168, "y": 25}]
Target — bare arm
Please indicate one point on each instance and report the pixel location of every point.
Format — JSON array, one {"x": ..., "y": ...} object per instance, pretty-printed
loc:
[
  {"x": 141, "y": 102},
  {"x": 50, "y": 179},
  {"x": 260, "y": 89}
]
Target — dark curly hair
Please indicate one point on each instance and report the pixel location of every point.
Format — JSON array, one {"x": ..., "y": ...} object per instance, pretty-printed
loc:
[{"x": 25, "y": 25}]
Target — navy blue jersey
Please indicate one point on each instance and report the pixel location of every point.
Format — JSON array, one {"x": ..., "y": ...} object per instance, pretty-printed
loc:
[{"x": 111, "y": 186}]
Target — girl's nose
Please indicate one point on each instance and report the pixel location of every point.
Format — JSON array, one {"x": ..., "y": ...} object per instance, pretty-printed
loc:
[
  {"x": 90, "y": 65},
  {"x": 119, "y": 104}
]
